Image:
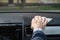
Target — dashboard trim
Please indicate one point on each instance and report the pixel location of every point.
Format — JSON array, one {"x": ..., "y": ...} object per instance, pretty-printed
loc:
[{"x": 52, "y": 30}]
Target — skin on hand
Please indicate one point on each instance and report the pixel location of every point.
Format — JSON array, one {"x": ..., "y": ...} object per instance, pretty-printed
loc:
[{"x": 39, "y": 22}]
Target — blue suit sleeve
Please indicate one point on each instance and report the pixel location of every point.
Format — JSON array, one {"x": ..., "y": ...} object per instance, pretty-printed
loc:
[{"x": 38, "y": 35}]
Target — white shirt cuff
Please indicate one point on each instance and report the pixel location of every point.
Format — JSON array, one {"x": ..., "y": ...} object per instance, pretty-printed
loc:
[{"x": 37, "y": 29}]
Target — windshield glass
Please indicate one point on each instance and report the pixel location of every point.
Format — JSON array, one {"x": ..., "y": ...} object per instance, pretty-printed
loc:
[{"x": 6, "y": 5}]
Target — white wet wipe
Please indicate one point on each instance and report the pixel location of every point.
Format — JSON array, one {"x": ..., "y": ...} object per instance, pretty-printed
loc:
[{"x": 49, "y": 19}]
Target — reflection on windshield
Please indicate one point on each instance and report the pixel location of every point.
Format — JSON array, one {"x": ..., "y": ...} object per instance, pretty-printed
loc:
[{"x": 29, "y": 5}]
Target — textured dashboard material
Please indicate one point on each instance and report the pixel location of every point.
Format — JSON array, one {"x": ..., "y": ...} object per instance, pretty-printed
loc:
[{"x": 26, "y": 17}]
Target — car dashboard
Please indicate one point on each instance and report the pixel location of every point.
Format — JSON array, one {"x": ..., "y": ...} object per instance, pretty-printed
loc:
[{"x": 16, "y": 26}]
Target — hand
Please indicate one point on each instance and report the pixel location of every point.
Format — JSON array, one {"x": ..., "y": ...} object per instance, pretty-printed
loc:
[{"x": 39, "y": 22}]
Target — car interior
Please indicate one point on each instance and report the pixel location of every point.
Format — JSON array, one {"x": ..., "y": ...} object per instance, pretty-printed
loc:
[{"x": 16, "y": 16}]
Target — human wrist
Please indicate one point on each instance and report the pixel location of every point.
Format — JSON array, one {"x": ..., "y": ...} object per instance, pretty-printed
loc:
[{"x": 37, "y": 29}]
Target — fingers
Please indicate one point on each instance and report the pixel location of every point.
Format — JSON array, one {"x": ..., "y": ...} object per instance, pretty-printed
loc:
[
  {"x": 43, "y": 20},
  {"x": 46, "y": 21},
  {"x": 38, "y": 18},
  {"x": 34, "y": 20}
]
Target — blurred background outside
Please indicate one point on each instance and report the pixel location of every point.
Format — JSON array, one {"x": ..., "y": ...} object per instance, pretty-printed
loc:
[{"x": 29, "y": 5}]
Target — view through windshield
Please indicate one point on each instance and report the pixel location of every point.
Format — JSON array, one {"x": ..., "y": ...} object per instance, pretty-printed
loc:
[{"x": 29, "y": 5}]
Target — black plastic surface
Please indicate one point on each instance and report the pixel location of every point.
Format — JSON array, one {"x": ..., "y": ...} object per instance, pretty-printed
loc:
[{"x": 27, "y": 17}]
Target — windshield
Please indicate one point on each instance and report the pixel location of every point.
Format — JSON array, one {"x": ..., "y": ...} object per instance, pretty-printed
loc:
[{"x": 8, "y": 5}]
